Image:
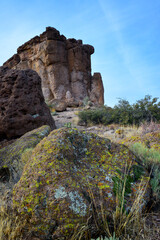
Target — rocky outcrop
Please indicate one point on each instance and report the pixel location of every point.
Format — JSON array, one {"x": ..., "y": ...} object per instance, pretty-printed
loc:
[
  {"x": 22, "y": 106},
  {"x": 97, "y": 90},
  {"x": 64, "y": 66},
  {"x": 75, "y": 179},
  {"x": 14, "y": 157}
]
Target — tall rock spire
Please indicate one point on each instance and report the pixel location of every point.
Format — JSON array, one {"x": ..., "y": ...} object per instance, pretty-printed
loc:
[{"x": 64, "y": 66}]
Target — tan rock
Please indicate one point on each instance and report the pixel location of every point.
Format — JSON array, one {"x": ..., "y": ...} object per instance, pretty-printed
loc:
[
  {"x": 64, "y": 66},
  {"x": 58, "y": 105},
  {"x": 97, "y": 90}
]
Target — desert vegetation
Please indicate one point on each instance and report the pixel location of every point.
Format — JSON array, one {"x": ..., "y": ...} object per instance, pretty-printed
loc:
[{"x": 146, "y": 109}]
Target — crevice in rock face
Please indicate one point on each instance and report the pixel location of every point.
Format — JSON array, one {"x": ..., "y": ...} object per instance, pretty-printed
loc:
[{"x": 4, "y": 174}]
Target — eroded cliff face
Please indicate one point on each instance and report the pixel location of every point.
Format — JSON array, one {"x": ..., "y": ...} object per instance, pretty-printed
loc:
[{"x": 64, "y": 66}]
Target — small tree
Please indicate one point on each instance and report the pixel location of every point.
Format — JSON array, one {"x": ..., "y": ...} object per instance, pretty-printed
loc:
[
  {"x": 146, "y": 109},
  {"x": 123, "y": 112}
]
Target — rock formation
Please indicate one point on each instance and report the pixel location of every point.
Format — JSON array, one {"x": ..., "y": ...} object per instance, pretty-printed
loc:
[
  {"x": 14, "y": 157},
  {"x": 64, "y": 66},
  {"x": 97, "y": 90},
  {"x": 22, "y": 106},
  {"x": 80, "y": 174}
]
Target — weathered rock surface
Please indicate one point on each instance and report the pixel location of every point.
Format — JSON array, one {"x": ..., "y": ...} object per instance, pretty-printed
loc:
[
  {"x": 58, "y": 105},
  {"x": 69, "y": 178},
  {"x": 14, "y": 157},
  {"x": 97, "y": 90},
  {"x": 64, "y": 66},
  {"x": 22, "y": 106}
]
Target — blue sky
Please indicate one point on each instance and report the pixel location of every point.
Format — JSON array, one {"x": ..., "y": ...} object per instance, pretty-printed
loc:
[{"x": 124, "y": 33}]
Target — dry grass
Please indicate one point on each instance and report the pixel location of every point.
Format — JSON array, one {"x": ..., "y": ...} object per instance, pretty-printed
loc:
[
  {"x": 117, "y": 133},
  {"x": 12, "y": 226},
  {"x": 122, "y": 224},
  {"x": 149, "y": 127}
]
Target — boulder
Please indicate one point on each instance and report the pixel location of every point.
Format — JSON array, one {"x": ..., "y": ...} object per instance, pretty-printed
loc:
[
  {"x": 73, "y": 179},
  {"x": 22, "y": 106},
  {"x": 14, "y": 157},
  {"x": 64, "y": 66},
  {"x": 58, "y": 105}
]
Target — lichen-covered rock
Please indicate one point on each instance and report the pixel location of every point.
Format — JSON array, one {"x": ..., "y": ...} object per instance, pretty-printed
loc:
[
  {"x": 64, "y": 66},
  {"x": 70, "y": 177},
  {"x": 22, "y": 106},
  {"x": 14, "y": 156}
]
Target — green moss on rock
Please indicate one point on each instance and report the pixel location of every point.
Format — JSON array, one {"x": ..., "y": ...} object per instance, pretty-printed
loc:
[
  {"x": 69, "y": 174},
  {"x": 14, "y": 156}
]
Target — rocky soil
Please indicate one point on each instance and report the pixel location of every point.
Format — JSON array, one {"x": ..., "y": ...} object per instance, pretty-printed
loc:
[{"x": 69, "y": 118}]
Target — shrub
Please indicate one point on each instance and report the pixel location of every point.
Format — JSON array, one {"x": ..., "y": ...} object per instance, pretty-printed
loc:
[
  {"x": 97, "y": 116},
  {"x": 123, "y": 113},
  {"x": 151, "y": 159},
  {"x": 146, "y": 109}
]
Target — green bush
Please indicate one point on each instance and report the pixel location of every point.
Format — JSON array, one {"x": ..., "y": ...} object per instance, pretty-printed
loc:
[
  {"x": 97, "y": 116},
  {"x": 151, "y": 159},
  {"x": 146, "y": 109}
]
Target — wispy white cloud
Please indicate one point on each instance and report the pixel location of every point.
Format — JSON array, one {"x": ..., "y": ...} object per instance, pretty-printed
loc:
[
  {"x": 119, "y": 21},
  {"x": 116, "y": 26}
]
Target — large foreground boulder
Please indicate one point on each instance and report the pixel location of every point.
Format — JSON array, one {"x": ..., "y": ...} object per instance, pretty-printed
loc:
[
  {"x": 22, "y": 106},
  {"x": 73, "y": 178},
  {"x": 14, "y": 157}
]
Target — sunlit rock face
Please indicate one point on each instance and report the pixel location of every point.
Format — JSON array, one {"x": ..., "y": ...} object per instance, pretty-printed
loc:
[{"x": 64, "y": 66}]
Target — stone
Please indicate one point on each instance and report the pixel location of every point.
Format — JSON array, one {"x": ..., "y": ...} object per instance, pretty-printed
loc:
[
  {"x": 64, "y": 66},
  {"x": 22, "y": 106},
  {"x": 97, "y": 90},
  {"x": 70, "y": 176},
  {"x": 14, "y": 157},
  {"x": 58, "y": 105}
]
